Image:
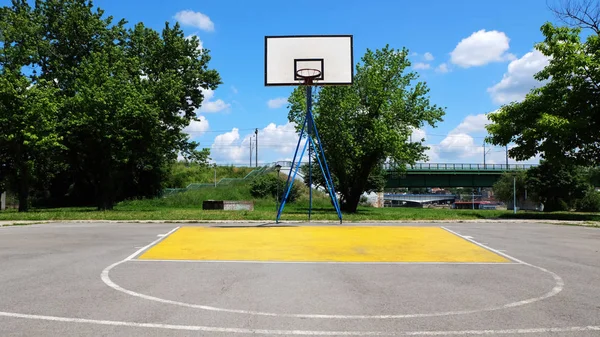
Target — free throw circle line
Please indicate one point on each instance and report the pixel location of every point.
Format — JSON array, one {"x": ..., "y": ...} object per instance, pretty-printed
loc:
[{"x": 558, "y": 287}]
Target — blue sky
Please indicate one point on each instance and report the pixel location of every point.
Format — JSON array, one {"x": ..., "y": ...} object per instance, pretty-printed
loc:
[{"x": 479, "y": 55}]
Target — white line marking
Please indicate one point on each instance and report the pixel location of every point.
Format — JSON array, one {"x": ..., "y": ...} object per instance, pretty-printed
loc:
[
  {"x": 298, "y": 332},
  {"x": 468, "y": 238},
  {"x": 139, "y": 251},
  {"x": 559, "y": 283},
  {"x": 557, "y": 288},
  {"x": 160, "y": 235},
  {"x": 324, "y": 262}
]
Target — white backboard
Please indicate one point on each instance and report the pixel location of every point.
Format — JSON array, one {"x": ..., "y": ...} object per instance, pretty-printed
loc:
[{"x": 331, "y": 54}]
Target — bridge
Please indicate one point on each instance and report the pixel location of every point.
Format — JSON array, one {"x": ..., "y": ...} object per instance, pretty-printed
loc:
[
  {"x": 448, "y": 175},
  {"x": 419, "y": 198},
  {"x": 440, "y": 174}
]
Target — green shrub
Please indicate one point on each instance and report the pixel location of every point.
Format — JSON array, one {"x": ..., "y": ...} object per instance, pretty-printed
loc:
[
  {"x": 589, "y": 203},
  {"x": 555, "y": 205},
  {"x": 269, "y": 185}
]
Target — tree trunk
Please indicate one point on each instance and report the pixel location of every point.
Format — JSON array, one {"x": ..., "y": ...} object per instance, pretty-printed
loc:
[
  {"x": 351, "y": 200},
  {"x": 105, "y": 193},
  {"x": 23, "y": 188},
  {"x": 23, "y": 195}
]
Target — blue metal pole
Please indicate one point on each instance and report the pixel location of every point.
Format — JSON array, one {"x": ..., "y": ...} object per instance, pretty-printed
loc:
[
  {"x": 308, "y": 111},
  {"x": 289, "y": 188},
  {"x": 329, "y": 184},
  {"x": 291, "y": 168},
  {"x": 326, "y": 166}
]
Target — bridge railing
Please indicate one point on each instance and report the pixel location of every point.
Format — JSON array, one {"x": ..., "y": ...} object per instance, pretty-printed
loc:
[{"x": 458, "y": 167}]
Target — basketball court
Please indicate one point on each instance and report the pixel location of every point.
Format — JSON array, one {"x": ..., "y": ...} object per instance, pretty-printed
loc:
[
  {"x": 160, "y": 279},
  {"x": 497, "y": 279}
]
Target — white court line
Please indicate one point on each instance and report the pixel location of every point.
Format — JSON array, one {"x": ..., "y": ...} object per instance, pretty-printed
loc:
[
  {"x": 298, "y": 332},
  {"x": 470, "y": 239},
  {"x": 557, "y": 288},
  {"x": 139, "y": 251},
  {"x": 559, "y": 283},
  {"x": 323, "y": 262}
]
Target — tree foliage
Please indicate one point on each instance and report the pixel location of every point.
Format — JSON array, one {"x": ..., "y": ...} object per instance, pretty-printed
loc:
[
  {"x": 269, "y": 185},
  {"x": 504, "y": 188},
  {"x": 556, "y": 184},
  {"x": 29, "y": 140},
  {"x": 560, "y": 119},
  {"x": 107, "y": 102},
  {"x": 363, "y": 125},
  {"x": 589, "y": 203},
  {"x": 375, "y": 181}
]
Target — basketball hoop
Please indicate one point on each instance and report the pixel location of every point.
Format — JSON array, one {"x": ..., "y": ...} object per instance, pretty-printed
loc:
[{"x": 308, "y": 75}]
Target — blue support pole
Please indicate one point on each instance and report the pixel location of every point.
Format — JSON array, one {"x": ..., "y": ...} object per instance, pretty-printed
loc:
[
  {"x": 291, "y": 169},
  {"x": 289, "y": 187},
  {"x": 329, "y": 184},
  {"x": 309, "y": 133},
  {"x": 327, "y": 172},
  {"x": 309, "y": 120}
]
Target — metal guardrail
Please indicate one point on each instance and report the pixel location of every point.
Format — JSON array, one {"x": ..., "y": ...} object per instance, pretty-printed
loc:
[
  {"x": 462, "y": 167},
  {"x": 223, "y": 181},
  {"x": 444, "y": 166}
]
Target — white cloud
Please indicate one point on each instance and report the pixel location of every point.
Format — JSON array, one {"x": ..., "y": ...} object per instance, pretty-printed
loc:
[
  {"x": 274, "y": 142},
  {"x": 418, "y": 134},
  {"x": 459, "y": 145},
  {"x": 464, "y": 144},
  {"x": 428, "y": 56},
  {"x": 518, "y": 80},
  {"x": 200, "y": 44},
  {"x": 481, "y": 48},
  {"x": 197, "y": 128},
  {"x": 277, "y": 103},
  {"x": 472, "y": 123},
  {"x": 195, "y": 19},
  {"x": 210, "y": 106},
  {"x": 234, "y": 89},
  {"x": 421, "y": 65},
  {"x": 442, "y": 68}
]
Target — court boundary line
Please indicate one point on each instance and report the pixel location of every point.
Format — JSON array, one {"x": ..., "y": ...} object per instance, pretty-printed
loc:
[
  {"x": 297, "y": 332},
  {"x": 151, "y": 244},
  {"x": 470, "y": 239}
]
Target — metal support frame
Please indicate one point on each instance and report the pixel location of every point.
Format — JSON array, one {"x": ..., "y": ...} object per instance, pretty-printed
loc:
[{"x": 309, "y": 129}]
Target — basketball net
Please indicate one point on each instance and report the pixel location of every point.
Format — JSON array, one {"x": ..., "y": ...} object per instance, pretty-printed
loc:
[{"x": 308, "y": 76}]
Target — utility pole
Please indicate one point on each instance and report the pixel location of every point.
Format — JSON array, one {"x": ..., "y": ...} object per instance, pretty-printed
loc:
[
  {"x": 250, "y": 151},
  {"x": 507, "y": 156},
  {"x": 484, "y": 154},
  {"x": 256, "y": 157},
  {"x": 515, "y": 194}
]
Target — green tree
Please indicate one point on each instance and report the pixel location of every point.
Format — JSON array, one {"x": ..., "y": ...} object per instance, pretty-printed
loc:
[
  {"x": 558, "y": 120},
  {"x": 556, "y": 185},
  {"x": 365, "y": 124},
  {"x": 128, "y": 94},
  {"x": 29, "y": 141},
  {"x": 504, "y": 187},
  {"x": 270, "y": 185}
]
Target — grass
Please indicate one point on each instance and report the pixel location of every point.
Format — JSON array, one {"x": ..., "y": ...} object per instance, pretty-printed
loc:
[{"x": 188, "y": 206}]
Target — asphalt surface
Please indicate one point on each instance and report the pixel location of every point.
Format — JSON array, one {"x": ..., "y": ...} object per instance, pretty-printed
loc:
[{"x": 80, "y": 279}]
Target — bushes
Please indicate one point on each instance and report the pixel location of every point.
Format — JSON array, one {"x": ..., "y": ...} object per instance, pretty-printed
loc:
[
  {"x": 556, "y": 205},
  {"x": 589, "y": 203},
  {"x": 267, "y": 186}
]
